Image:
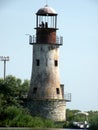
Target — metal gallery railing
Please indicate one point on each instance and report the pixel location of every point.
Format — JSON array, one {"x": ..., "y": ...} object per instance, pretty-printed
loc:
[{"x": 32, "y": 40}]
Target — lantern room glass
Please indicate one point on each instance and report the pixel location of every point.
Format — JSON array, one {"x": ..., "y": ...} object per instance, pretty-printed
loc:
[{"x": 46, "y": 21}]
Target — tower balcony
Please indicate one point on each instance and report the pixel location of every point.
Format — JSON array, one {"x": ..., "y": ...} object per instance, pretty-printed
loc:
[
  {"x": 33, "y": 40},
  {"x": 67, "y": 97}
]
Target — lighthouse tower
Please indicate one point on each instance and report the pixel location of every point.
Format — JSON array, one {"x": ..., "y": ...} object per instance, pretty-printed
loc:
[{"x": 46, "y": 94}]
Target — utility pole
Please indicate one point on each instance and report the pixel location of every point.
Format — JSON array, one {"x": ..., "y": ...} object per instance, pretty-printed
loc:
[{"x": 4, "y": 59}]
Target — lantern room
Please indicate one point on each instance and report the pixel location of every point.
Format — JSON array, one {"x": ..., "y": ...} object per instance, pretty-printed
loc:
[{"x": 46, "y": 17}]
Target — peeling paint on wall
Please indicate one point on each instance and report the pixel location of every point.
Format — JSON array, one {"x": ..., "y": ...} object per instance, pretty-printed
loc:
[{"x": 45, "y": 77}]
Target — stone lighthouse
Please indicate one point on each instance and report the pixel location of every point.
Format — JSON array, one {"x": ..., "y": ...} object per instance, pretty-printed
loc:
[{"x": 46, "y": 94}]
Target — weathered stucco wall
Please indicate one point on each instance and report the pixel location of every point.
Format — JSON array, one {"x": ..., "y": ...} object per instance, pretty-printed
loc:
[
  {"x": 45, "y": 72},
  {"x": 50, "y": 109}
]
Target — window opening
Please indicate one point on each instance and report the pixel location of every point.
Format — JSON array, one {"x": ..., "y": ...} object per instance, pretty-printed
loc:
[
  {"x": 34, "y": 90},
  {"x": 37, "y": 62},
  {"x": 57, "y": 91},
  {"x": 56, "y": 63}
]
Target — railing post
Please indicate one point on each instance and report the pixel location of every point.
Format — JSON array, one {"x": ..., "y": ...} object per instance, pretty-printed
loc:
[
  {"x": 30, "y": 39},
  {"x": 61, "y": 40}
]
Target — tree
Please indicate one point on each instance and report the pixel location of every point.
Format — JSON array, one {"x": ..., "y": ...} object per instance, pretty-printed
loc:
[
  {"x": 93, "y": 120},
  {"x": 71, "y": 114},
  {"x": 13, "y": 91}
]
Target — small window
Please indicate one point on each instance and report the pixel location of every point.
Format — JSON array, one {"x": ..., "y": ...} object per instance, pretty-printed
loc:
[
  {"x": 57, "y": 91},
  {"x": 56, "y": 63},
  {"x": 37, "y": 62},
  {"x": 34, "y": 90}
]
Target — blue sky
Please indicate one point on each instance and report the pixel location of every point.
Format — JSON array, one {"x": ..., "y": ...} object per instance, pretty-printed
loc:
[{"x": 77, "y": 23}]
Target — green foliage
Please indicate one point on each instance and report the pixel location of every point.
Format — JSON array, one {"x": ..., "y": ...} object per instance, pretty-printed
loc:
[
  {"x": 14, "y": 116},
  {"x": 19, "y": 117},
  {"x": 70, "y": 115},
  {"x": 12, "y": 113},
  {"x": 93, "y": 119},
  {"x": 13, "y": 91},
  {"x": 49, "y": 123},
  {"x": 12, "y": 94}
]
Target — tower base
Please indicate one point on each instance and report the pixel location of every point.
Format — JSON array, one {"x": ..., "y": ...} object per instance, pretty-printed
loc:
[{"x": 54, "y": 109}]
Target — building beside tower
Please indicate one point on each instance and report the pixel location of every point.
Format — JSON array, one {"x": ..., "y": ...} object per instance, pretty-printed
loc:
[{"x": 46, "y": 95}]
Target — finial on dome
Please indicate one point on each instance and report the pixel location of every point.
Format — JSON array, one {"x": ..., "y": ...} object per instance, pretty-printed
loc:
[{"x": 46, "y": 5}]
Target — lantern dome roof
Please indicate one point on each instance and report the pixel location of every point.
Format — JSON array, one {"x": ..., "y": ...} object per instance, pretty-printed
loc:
[{"x": 46, "y": 10}]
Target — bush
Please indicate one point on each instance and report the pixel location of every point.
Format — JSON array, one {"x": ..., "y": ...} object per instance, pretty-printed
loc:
[
  {"x": 13, "y": 116},
  {"x": 49, "y": 123},
  {"x": 21, "y": 121},
  {"x": 11, "y": 112},
  {"x": 94, "y": 122},
  {"x": 19, "y": 117}
]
